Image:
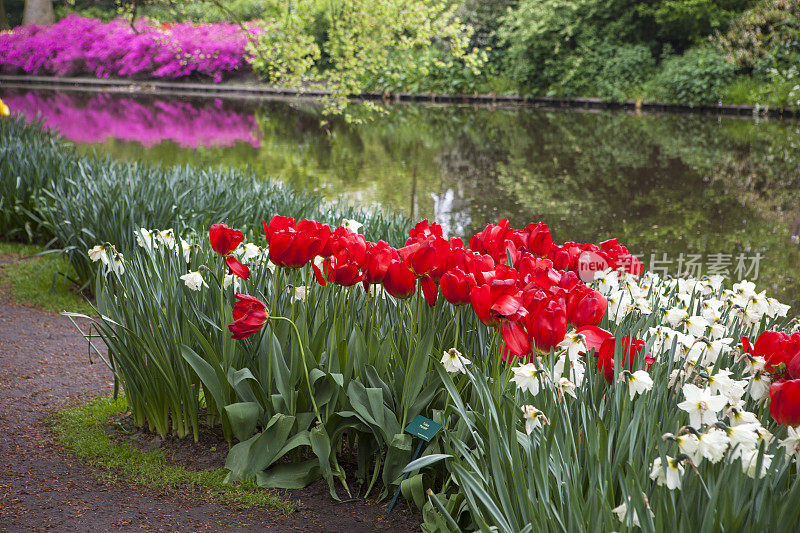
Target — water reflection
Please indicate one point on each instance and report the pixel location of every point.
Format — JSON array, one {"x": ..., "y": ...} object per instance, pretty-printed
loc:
[
  {"x": 682, "y": 191},
  {"x": 101, "y": 117}
]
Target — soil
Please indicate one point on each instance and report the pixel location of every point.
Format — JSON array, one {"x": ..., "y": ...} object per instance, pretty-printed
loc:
[{"x": 44, "y": 367}]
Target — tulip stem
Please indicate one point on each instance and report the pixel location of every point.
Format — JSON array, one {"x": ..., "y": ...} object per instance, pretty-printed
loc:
[{"x": 305, "y": 365}]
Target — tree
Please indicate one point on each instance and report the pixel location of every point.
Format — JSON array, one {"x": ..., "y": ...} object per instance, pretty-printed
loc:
[
  {"x": 38, "y": 12},
  {"x": 3, "y": 19}
]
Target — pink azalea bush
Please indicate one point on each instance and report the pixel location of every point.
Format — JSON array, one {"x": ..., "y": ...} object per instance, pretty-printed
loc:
[
  {"x": 81, "y": 46},
  {"x": 103, "y": 117}
]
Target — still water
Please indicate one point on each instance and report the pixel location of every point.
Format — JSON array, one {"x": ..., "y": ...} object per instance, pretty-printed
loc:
[{"x": 687, "y": 193}]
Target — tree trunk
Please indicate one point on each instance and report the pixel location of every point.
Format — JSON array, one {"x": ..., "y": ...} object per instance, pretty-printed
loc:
[
  {"x": 38, "y": 12},
  {"x": 3, "y": 17}
]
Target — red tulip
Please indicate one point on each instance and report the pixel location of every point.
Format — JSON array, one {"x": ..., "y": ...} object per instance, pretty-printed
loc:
[
  {"x": 423, "y": 230},
  {"x": 456, "y": 286},
  {"x": 547, "y": 323},
  {"x": 419, "y": 256},
  {"x": 604, "y": 344},
  {"x": 429, "y": 289},
  {"x": 378, "y": 258},
  {"x": 496, "y": 301},
  {"x": 618, "y": 256},
  {"x": 777, "y": 348},
  {"x": 294, "y": 247},
  {"x": 277, "y": 224},
  {"x": 536, "y": 239},
  {"x": 399, "y": 281},
  {"x": 494, "y": 240},
  {"x": 540, "y": 272},
  {"x": 516, "y": 338},
  {"x": 784, "y": 405},
  {"x": 249, "y": 315},
  {"x": 585, "y": 307},
  {"x": 224, "y": 241}
]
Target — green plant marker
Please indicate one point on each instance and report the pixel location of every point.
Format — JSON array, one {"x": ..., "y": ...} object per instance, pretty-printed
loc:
[{"x": 425, "y": 429}]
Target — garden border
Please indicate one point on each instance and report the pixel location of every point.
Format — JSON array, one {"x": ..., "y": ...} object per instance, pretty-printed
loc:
[{"x": 265, "y": 92}]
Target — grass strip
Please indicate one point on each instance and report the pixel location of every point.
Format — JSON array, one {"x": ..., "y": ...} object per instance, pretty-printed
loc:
[
  {"x": 80, "y": 430},
  {"x": 38, "y": 281}
]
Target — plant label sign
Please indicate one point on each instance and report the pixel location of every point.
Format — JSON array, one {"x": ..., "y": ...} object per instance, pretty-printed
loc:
[{"x": 423, "y": 428}]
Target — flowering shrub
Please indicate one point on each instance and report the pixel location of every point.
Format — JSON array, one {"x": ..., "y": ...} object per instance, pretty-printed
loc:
[
  {"x": 79, "y": 46},
  {"x": 102, "y": 117}
]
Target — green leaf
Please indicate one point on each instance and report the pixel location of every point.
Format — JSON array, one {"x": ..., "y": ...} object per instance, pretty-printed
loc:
[{"x": 243, "y": 417}]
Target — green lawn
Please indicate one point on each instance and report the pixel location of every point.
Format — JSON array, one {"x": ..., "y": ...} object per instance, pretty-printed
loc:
[{"x": 38, "y": 281}]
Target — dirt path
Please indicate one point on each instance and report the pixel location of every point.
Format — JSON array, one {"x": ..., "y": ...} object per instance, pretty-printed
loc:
[{"x": 44, "y": 366}]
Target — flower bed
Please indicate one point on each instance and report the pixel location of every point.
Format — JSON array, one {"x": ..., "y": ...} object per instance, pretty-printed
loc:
[
  {"x": 83, "y": 46},
  {"x": 545, "y": 385}
]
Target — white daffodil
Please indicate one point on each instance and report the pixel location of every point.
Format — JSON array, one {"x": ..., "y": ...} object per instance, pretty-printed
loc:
[
  {"x": 619, "y": 305},
  {"x": 764, "y": 436},
  {"x": 792, "y": 442},
  {"x": 186, "y": 248},
  {"x": 759, "y": 386},
  {"x": 575, "y": 369},
  {"x": 574, "y": 344},
  {"x": 622, "y": 513},
  {"x": 527, "y": 377},
  {"x": 298, "y": 294},
  {"x": 744, "y": 437},
  {"x": 738, "y": 417},
  {"x": 248, "y": 251},
  {"x": 607, "y": 281},
  {"x": 639, "y": 382},
  {"x": 534, "y": 418},
  {"x": 712, "y": 444},
  {"x": 755, "y": 364},
  {"x": 98, "y": 253},
  {"x": 453, "y": 361},
  {"x": 194, "y": 281},
  {"x": 675, "y": 316},
  {"x": 717, "y": 330},
  {"x": 688, "y": 444},
  {"x": 722, "y": 383},
  {"x": 711, "y": 309},
  {"x": 144, "y": 238},
  {"x": 749, "y": 460},
  {"x": 669, "y": 475},
  {"x": 776, "y": 309},
  {"x": 701, "y": 405},
  {"x": 118, "y": 265},
  {"x": 566, "y": 387},
  {"x": 352, "y": 225},
  {"x": 643, "y": 305},
  {"x": 167, "y": 237},
  {"x": 230, "y": 279},
  {"x": 696, "y": 325}
]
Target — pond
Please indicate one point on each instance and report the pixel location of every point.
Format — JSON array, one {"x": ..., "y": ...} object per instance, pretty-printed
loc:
[{"x": 687, "y": 193}]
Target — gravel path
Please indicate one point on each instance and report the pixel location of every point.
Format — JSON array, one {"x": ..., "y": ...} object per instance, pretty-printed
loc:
[{"x": 44, "y": 365}]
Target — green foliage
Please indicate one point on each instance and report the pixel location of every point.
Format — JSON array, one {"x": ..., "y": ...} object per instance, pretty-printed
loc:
[
  {"x": 765, "y": 37},
  {"x": 559, "y": 47},
  {"x": 605, "y": 70},
  {"x": 682, "y": 23},
  {"x": 81, "y": 430},
  {"x": 751, "y": 90},
  {"x": 362, "y": 45},
  {"x": 697, "y": 77}
]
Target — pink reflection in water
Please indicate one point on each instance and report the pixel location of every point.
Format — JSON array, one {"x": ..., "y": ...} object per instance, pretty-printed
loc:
[{"x": 103, "y": 117}]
